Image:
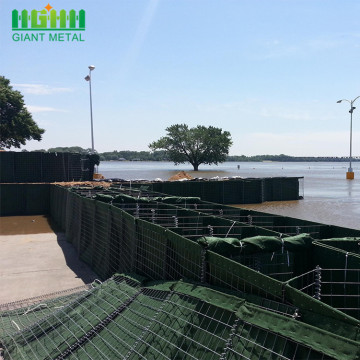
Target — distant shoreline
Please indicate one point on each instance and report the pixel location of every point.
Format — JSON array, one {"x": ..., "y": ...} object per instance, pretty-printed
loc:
[
  {"x": 265, "y": 161},
  {"x": 128, "y": 155}
]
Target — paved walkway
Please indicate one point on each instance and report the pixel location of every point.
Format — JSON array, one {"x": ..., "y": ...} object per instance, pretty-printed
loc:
[{"x": 34, "y": 264}]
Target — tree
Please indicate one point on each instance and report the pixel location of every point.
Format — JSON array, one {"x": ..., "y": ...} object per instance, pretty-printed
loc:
[
  {"x": 16, "y": 123},
  {"x": 199, "y": 145}
]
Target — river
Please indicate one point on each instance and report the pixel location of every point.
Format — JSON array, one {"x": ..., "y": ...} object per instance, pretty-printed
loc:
[{"x": 328, "y": 197}]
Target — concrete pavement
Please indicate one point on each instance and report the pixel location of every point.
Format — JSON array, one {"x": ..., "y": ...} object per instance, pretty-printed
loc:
[{"x": 37, "y": 264}]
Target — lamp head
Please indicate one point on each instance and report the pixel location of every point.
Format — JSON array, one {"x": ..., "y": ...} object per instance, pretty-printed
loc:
[
  {"x": 91, "y": 67},
  {"x": 339, "y": 101}
]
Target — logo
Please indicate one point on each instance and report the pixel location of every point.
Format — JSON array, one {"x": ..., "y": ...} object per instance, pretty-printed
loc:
[{"x": 48, "y": 24}]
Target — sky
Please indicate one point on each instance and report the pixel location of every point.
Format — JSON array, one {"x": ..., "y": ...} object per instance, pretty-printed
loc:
[{"x": 268, "y": 71}]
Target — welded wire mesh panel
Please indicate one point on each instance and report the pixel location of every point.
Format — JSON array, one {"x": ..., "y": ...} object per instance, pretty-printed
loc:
[
  {"x": 339, "y": 288},
  {"x": 222, "y": 272},
  {"x": 252, "y": 342},
  {"x": 280, "y": 224},
  {"x": 28, "y": 167},
  {"x": 151, "y": 252},
  {"x": 120, "y": 319},
  {"x": 17, "y": 316},
  {"x": 7, "y": 167},
  {"x": 186, "y": 328},
  {"x": 185, "y": 258},
  {"x": 101, "y": 243},
  {"x": 278, "y": 264},
  {"x": 86, "y": 248},
  {"x": 67, "y": 328},
  {"x": 348, "y": 244},
  {"x": 58, "y": 198},
  {"x": 122, "y": 242},
  {"x": 73, "y": 219},
  {"x": 33, "y": 167}
]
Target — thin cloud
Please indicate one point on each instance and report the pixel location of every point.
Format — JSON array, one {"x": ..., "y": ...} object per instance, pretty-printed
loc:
[
  {"x": 140, "y": 36},
  {"x": 40, "y": 109},
  {"x": 41, "y": 89}
]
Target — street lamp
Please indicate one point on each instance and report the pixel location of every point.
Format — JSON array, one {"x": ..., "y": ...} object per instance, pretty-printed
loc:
[
  {"x": 350, "y": 173},
  {"x": 88, "y": 78}
]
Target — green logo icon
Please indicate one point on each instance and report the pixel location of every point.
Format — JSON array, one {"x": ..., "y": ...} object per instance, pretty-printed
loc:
[{"x": 48, "y": 20}]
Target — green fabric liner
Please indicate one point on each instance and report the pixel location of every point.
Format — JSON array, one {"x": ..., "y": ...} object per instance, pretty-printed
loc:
[
  {"x": 20, "y": 345},
  {"x": 225, "y": 272},
  {"x": 304, "y": 301},
  {"x": 223, "y": 268},
  {"x": 329, "y": 257},
  {"x": 80, "y": 313},
  {"x": 103, "y": 198},
  {"x": 308, "y": 335},
  {"x": 314, "y": 337},
  {"x": 179, "y": 200},
  {"x": 295, "y": 330},
  {"x": 151, "y": 250},
  {"x": 123, "y": 198},
  {"x": 255, "y": 244}
]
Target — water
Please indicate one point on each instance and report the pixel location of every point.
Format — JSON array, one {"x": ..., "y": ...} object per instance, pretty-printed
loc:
[{"x": 328, "y": 197}]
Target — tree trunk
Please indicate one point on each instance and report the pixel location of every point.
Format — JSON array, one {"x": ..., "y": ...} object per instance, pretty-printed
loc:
[{"x": 196, "y": 167}]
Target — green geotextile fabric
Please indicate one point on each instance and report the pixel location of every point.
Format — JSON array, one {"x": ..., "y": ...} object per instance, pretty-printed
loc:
[
  {"x": 329, "y": 257},
  {"x": 24, "y": 315},
  {"x": 226, "y": 273},
  {"x": 179, "y": 200},
  {"x": 291, "y": 328},
  {"x": 314, "y": 310},
  {"x": 121, "y": 198},
  {"x": 123, "y": 318},
  {"x": 51, "y": 335},
  {"x": 255, "y": 244}
]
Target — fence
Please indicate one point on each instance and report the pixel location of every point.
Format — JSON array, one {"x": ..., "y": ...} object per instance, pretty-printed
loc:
[
  {"x": 131, "y": 319},
  {"x": 233, "y": 191},
  {"x": 33, "y": 167},
  {"x": 24, "y": 199},
  {"x": 202, "y": 286},
  {"x": 123, "y": 236}
]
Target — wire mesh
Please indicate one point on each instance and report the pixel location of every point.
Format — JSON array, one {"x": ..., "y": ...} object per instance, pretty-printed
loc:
[
  {"x": 33, "y": 167},
  {"x": 122, "y": 319},
  {"x": 339, "y": 288}
]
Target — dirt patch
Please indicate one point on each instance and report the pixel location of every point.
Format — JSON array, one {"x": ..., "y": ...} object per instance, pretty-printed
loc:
[
  {"x": 33, "y": 224},
  {"x": 104, "y": 184},
  {"x": 180, "y": 176}
]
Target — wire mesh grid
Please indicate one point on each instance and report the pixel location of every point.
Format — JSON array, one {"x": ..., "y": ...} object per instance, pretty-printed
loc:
[
  {"x": 252, "y": 342},
  {"x": 15, "y": 317},
  {"x": 278, "y": 264},
  {"x": 121, "y": 319},
  {"x": 339, "y": 288},
  {"x": 131, "y": 237},
  {"x": 272, "y": 222},
  {"x": 112, "y": 242}
]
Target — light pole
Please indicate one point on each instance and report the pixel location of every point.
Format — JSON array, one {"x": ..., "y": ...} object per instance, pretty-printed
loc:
[
  {"x": 350, "y": 172},
  {"x": 88, "y": 78}
]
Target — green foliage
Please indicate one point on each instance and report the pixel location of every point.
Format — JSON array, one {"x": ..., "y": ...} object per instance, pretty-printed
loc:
[
  {"x": 134, "y": 155},
  {"x": 71, "y": 149},
  {"x": 199, "y": 145},
  {"x": 16, "y": 123},
  {"x": 162, "y": 155},
  {"x": 287, "y": 158}
]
